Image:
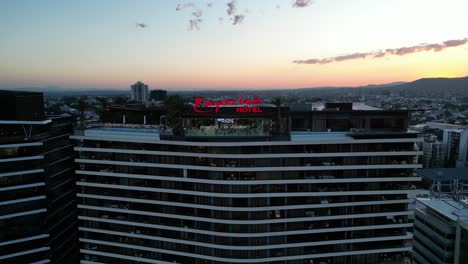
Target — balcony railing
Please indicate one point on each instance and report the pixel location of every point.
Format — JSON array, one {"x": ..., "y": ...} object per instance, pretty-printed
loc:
[{"x": 226, "y": 132}]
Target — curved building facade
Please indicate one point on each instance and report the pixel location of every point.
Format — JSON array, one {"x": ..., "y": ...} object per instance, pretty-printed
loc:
[{"x": 309, "y": 197}]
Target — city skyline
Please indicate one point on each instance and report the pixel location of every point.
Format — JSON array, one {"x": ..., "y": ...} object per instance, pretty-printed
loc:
[{"x": 229, "y": 44}]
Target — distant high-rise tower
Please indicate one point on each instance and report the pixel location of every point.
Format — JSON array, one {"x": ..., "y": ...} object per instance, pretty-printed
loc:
[
  {"x": 158, "y": 95},
  {"x": 463, "y": 150},
  {"x": 139, "y": 92},
  {"x": 433, "y": 150},
  {"x": 451, "y": 142}
]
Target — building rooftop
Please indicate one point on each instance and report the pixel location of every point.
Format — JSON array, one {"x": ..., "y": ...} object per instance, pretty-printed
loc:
[
  {"x": 320, "y": 106},
  {"x": 11, "y": 92},
  {"x": 306, "y": 136},
  {"x": 450, "y": 208},
  {"x": 444, "y": 174},
  {"x": 130, "y": 132},
  {"x": 147, "y": 130},
  {"x": 445, "y": 125},
  {"x": 152, "y": 133}
]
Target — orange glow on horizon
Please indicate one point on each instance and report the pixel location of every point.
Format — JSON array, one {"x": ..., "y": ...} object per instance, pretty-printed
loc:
[{"x": 270, "y": 74}]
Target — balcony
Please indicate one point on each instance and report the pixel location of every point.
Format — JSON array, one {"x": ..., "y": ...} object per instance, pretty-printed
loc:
[{"x": 240, "y": 131}]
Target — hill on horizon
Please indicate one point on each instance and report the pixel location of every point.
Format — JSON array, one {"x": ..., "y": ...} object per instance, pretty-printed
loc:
[
  {"x": 439, "y": 87},
  {"x": 425, "y": 87}
]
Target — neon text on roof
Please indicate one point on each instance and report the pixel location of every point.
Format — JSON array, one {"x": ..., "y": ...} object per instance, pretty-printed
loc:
[{"x": 242, "y": 102}]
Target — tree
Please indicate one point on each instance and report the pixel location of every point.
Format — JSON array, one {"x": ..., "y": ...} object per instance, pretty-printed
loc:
[
  {"x": 103, "y": 102},
  {"x": 82, "y": 105},
  {"x": 278, "y": 101},
  {"x": 69, "y": 100},
  {"x": 175, "y": 110},
  {"x": 120, "y": 100},
  {"x": 54, "y": 109}
]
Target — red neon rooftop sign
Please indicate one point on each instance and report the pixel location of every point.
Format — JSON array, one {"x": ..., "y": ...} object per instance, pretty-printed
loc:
[{"x": 245, "y": 105}]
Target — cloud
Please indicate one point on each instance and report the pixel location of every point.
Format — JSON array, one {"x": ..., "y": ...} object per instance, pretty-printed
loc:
[
  {"x": 195, "y": 23},
  {"x": 238, "y": 19},
  {"x": 180, "y": 6},
  {"x": 232, "y": 11},
  {"x": 456, "y": 42},
  {"x": 351, "y": 56},
  {"x": 435, "y": 47},
  {"x": 383, "y": 53},
  {"x": 380, "y": 54},
  {"x": 197, "y": 13},
  {"x": 231, "y": 8},
  {"x": 301, "y": 3},
  {"x": 314, "y": 61}
]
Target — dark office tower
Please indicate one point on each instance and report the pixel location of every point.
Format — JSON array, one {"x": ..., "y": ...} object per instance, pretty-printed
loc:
[
  {"x": 158, "y": 95},
  {"x": 37, "y": 185},
  {"x": 231, "y": 183}
]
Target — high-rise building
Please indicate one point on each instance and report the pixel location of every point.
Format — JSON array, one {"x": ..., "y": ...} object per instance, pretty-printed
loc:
[
  {"x": 234, "y": 184},
  {"x": 441, "y": 181},
  {"x": 445, "y": 126},
  {"x": 451, "y": 142},
  {"x": 441, "y": 231},
  {"x": 462, "y": 161},
  {"x": 441, "y": 221},
  {"x": 158, "y": 95},
  {"x": 134, "y": 114},
  {"x": 139, "y": 92},
  {"x": 38, "y": 220},
  {"x": 433, "y": 152}
]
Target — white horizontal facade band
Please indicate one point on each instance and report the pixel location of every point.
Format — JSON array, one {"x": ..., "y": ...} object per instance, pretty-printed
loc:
[
  {"x": 241, "y": 195},
  {"x": 15, "y": 173},
  {"x": 22, "y": 159},
  {"x": 24, "y": 186},
  {"x": 250, "y": 169},
  {"x": 244, "y": 222},
  {"x": 22, "y": 253},
  {"x": 24, "y": 122},
  {"x": 250, "y": 156},
  {"x": 95, "y": 262},
  {"x": 57, "y": 149},
  {"x": 230, "y": 234},
  {"x": 29, "y": 199},
  {"x": 240, "y": 209},
  {"x": 38, "y": 211},
  {"x": 59, "y": 136},
  {"x": 235, "y": 260},
  {"x": 245, "y": 182},
  {"x": 10, "y": 242},
  {"x": 19, "y": 145},
  {"x": 246, "y": 248},
  {"x": 248, "y": 143},
  {"x": 118, "y": 256},
  {"x": 41, "y": 261}
]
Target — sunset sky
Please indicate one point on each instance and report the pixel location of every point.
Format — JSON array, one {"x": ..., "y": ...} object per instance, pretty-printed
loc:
[{"x": 98, "y": 44}]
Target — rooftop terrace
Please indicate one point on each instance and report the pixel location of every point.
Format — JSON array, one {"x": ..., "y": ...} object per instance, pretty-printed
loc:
[
  {"x": 152, "y": 133},
  {"x": 320, "y": 106}
]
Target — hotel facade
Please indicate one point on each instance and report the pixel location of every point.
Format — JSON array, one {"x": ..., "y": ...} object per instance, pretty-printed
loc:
[{"x": 322, "y": 183}]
